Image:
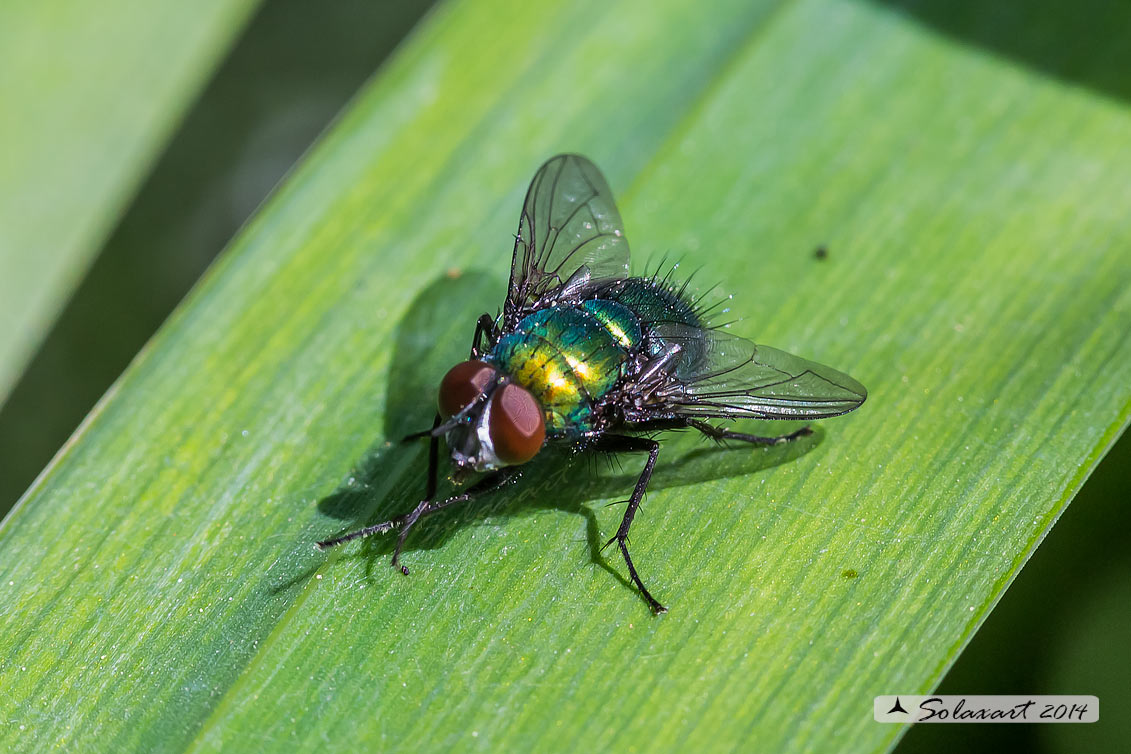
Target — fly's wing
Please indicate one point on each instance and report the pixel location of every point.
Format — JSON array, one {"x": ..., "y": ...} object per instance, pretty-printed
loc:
[
  {"x": 717, "y": 374},
  {"x": 569, "y": 233}
]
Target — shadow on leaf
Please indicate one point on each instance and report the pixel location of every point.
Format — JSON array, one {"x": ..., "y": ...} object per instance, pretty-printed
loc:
[{"x": 1082, "y": 42}]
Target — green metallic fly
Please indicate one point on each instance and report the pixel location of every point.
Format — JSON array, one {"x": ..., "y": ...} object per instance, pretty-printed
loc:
[{"x": 587, "y": 357}]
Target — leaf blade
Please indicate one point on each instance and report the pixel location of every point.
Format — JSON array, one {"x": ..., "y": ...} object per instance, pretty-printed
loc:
[{"x": 934, "y": 492}]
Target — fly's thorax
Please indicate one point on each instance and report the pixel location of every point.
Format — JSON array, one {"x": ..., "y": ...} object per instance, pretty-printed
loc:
[{"x": 568, "y": 360}]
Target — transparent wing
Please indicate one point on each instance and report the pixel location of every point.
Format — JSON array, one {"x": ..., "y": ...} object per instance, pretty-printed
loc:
[
  {"x": 717, "y": 374},
  {"x": 569, "y": 232}
]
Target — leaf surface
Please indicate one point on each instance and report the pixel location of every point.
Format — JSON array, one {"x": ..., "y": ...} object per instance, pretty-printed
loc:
[{"x": 158, "y": 586}]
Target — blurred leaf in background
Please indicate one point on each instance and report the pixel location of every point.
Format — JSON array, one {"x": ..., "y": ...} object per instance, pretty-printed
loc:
[
  {"x": 91, "y": 92},
  {"x": 294, "y": 68}
]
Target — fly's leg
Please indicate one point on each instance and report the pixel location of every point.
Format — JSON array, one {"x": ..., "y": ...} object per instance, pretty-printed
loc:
[
  {"x": 718, "y": 433},
  {"x": 433, "y": 455},
  {"x": 487, "y": 484},
  {"x": 433, "y": 462},
  {"x": 484, "y": 326},
  {"x": 429, "y": 493},
  {"x": 368, "y": 531},
  {"x": 715, "y": 433},
  {"x": 626, "y": 444}
]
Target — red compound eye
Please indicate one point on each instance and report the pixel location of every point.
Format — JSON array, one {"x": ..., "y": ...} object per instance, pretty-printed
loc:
[
  {"x": 517, "y": 427},
  {"x": 462, "y": 384}
]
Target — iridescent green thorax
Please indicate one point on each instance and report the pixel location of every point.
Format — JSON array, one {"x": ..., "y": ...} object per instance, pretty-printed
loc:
[
  {"x": 567, "y": 359},
  {"x": 571, "y": 357}
]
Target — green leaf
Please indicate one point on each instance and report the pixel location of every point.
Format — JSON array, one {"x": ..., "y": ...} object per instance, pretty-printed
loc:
[
  {"x": 158, "y": 586},
  {"x": 91, "y": 93}
]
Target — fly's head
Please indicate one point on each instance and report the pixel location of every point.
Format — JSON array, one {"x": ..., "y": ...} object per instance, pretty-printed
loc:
[{"x": 492, "y": 421}]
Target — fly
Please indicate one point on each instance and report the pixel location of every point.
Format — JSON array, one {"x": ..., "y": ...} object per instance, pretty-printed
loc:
[{"x": 587, "y": 357}]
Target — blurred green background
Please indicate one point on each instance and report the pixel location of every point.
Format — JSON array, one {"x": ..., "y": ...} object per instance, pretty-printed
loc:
[
  {"x": 1061, "y": 628},
  {"x": 295, "y": 66}
]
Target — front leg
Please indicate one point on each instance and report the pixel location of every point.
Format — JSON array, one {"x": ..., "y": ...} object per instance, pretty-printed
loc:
[
  {"x": 623, "y": 444},
  {"x": 433, "y": 455},
  {"x": 493, "y": 481},
  {"x": 426, "y": 507}
]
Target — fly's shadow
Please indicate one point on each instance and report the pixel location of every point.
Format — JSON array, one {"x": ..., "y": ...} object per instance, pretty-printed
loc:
[{"x": 434, "y": 334}]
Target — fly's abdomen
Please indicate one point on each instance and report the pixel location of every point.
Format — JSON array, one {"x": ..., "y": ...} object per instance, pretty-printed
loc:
[
  {"x": 618, "y": 320},
  {"x": 568, "y": 359},
  {"x": 665, "y": 316},
  {"x": 651, "y": 302}
]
